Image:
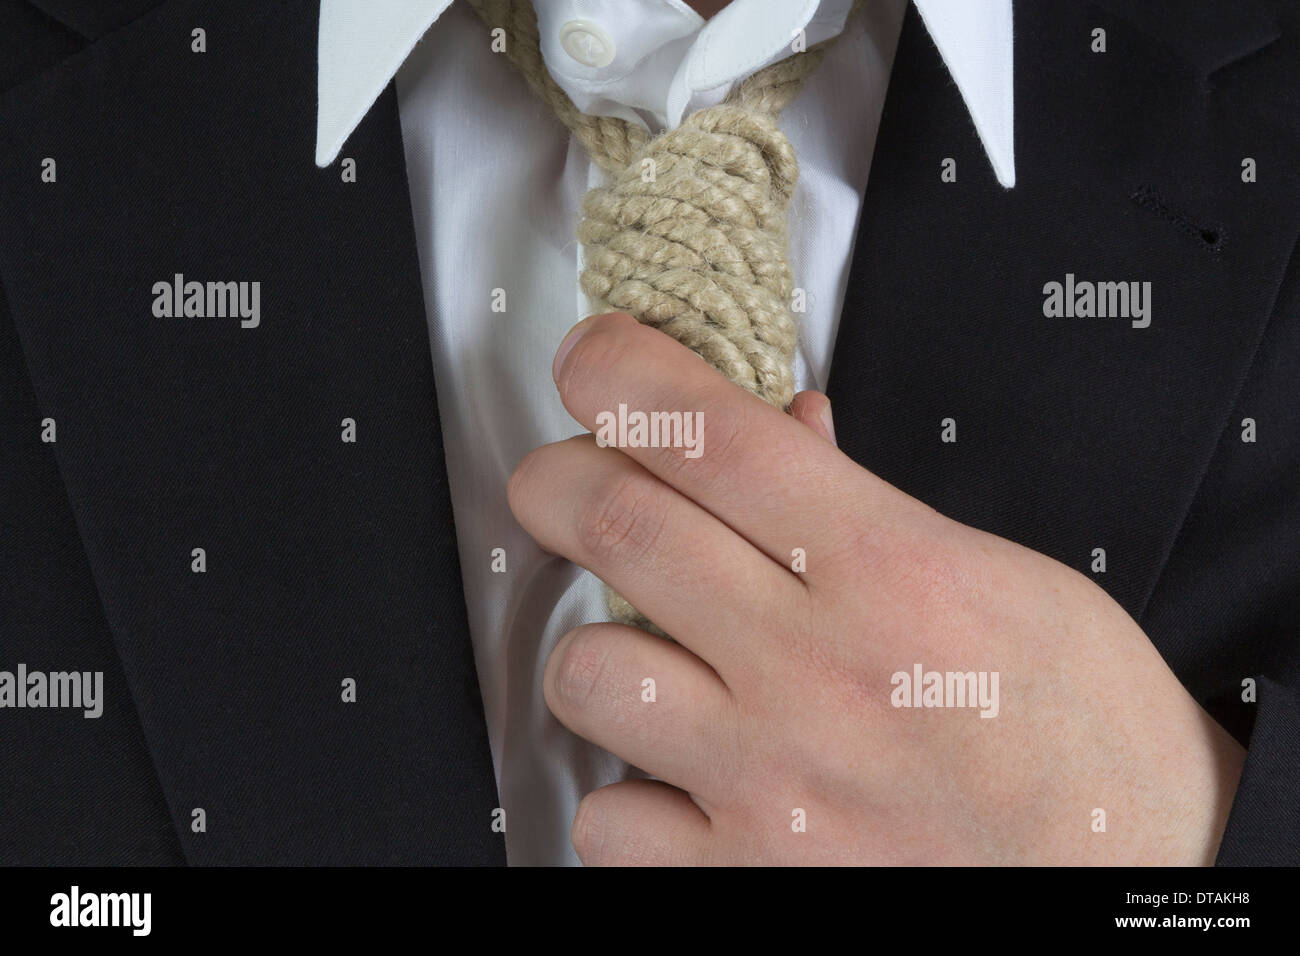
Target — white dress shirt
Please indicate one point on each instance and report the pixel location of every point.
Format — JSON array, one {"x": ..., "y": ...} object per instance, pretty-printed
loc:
[{"x": 496, "y": 183}]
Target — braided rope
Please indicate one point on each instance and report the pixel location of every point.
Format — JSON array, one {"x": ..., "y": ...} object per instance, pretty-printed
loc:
[{"x": 692, "y": 242}]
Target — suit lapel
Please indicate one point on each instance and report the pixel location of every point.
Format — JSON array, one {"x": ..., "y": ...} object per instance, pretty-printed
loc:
[
  {"x": 1073, "y": 434},
  {"x": 93, "y": 19},
  {"x": 324, "y": 561}
]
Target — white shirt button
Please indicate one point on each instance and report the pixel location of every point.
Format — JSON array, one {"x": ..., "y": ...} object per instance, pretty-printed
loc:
[{"x": 587, "y": 43}]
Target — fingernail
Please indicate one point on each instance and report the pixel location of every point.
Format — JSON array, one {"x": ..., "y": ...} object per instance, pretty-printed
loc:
[
  {"x": 567, "y": 345},
  {"x": 828, "y": 422}
]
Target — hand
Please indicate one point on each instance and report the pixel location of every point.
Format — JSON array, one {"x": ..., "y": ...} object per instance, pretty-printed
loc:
[{"x": 780, "y": 701}]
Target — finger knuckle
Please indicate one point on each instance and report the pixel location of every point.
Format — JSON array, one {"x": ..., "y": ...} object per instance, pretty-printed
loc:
[
  {"x": 723, "y": 424},
  {"x": 581, "y": 667},
  {"x": 623, "y": 521},
  {"x": 928, "y": 572}
]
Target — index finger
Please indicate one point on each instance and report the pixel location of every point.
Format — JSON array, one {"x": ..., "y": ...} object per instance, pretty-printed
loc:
[{"x": 770, "y": 478}]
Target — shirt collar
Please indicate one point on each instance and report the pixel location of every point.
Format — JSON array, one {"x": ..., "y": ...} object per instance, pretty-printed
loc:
[
  {"x": 668, "y": 60},
  {"x": 361, "y": 45}
]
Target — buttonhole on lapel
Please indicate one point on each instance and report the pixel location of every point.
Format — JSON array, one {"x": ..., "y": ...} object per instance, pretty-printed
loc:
[{"x": 1209, "y": 234}]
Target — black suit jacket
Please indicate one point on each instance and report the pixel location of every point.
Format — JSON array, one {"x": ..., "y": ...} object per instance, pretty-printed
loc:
[{"x": 328, "y": 560}]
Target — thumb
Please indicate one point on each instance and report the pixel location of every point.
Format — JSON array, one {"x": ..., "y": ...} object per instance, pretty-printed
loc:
[{"x": 814, "y": 410}]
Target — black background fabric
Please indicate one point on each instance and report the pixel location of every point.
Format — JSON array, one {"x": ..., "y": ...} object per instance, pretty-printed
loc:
[
  {"x": 72, "y": 791},
  {"x": 329, "y": 560},
  {"x": 325, "y": 560}
]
